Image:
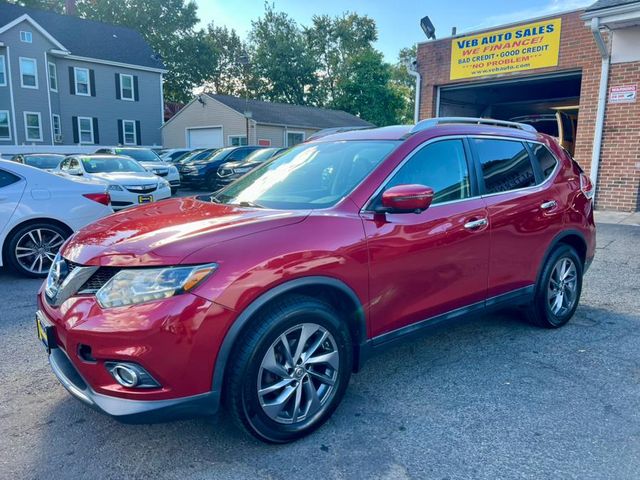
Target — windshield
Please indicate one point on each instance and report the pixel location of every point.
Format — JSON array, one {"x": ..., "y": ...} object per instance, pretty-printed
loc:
[
  {"x": 211, "y": 155},
  {"x": 194, "y": 156},
  {"x": 261, "y": 155},
  {"x": 110, "y": 165},
  {"x": 139, "y": 154},
  {"x": 307, "y": 176},
  {"x": 43, "y": 161}
]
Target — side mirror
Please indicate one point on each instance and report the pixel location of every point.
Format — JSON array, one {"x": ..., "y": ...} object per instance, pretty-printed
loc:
[
  {"x": 407, "y": 199},
  {"x": 74, "y": 171}
]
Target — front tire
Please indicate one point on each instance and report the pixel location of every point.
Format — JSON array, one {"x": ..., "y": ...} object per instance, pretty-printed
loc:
[
  {"x": 290, "y": 370},
  {"x": 31, "y": 249},
  {"x": 558, "y": 290}
]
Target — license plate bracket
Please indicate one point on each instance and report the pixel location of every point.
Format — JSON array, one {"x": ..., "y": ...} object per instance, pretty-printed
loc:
[
  {"x": 145, "y": 198},
  {"x": 45, "y": 332}
]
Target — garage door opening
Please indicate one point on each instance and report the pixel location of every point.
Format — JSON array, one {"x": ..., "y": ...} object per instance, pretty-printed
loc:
[
  {"x": 205, "y": 137},
  {"x": 548, "y": 102}
]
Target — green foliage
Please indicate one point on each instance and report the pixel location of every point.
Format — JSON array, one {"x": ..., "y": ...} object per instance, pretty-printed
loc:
[
  {"x": 282, "y": 65},
  {"x": 55, "y": 5},
  {"x": 364, "y": 89},
  {"x": 404, "y": 84},
  {"x": 230, "y": 74}
]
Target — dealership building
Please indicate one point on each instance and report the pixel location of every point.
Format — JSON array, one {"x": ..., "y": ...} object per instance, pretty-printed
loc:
[{"x": 579, "y": 68}]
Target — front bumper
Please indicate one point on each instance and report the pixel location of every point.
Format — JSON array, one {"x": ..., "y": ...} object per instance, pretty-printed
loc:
[{"x": 125, "y": 410}]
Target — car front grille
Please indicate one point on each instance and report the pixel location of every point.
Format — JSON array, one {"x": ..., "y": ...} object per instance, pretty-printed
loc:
[
  {"x": 98, "y": 279},
  {"x": 161, "y": 173},
  {"x": 141, "y": 188}
]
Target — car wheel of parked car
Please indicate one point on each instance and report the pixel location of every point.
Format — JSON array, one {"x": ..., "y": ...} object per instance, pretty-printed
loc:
[
  {"x": 558, "y": 289},
  {"x": 31, "y": 249},
  {"x": 290, "y": 370},
  {"x": 174, "y": 190}
]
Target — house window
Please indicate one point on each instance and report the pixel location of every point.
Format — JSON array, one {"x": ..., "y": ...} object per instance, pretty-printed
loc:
[
  {"x": 81, "y": 77},
  {"x": 129, "y": 132},
  {"x": 85, "y": 129},
  {"x": 32, "y": 127},
  {"x": 3, "y": 72},
  {"x": 237, "y": 140},
  {"x": 28, "y": 73},
  {"x": 5, "y": 130},
  {"x": 26, "y": 37},
  {"x": 53, "y": 77},
  {"x": 126, "y": 87},
  {"x": 57, "y": 130},
  {"x": 293, "y": 138}
]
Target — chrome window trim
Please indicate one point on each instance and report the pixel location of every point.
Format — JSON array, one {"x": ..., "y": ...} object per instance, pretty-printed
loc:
[{"x": 365, "y": 208}]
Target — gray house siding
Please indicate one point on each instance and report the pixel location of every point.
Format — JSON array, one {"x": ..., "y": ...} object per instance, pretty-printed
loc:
[
  {"x": 28, "y": 99},
  {"x": 146, "y": 110}
]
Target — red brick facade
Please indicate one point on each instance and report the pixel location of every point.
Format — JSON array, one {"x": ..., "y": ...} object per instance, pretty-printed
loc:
[{"x": 618, "y": 180}]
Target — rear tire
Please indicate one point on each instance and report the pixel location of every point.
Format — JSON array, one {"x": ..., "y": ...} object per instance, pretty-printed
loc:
[
  {"x": 31, "y": 249},
  {"x": 558, "y": 289},
  {"x": 280, "y": 393},
  {"x": 174, "y": 190}
]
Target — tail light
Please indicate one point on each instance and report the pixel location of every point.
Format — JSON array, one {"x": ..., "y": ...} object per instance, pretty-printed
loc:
[
  {"x": 586, "y": 186},
  {"x": 103, "y": 198}
]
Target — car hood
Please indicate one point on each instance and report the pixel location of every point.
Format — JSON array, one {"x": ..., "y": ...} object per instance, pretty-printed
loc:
[
  {"x": 157, "y": 164},
  {"x": 166, "y": 232},
  {"x": 126, "y": 178}
]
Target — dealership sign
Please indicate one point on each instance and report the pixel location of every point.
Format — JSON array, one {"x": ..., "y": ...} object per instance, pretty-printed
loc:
[
  {"x": 623, "y": 94},
  {"x": 525, "y": 47}
]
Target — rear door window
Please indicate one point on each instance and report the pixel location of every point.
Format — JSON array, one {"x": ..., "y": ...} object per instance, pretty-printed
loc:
[
  {"x": 543, "y": 156},
  {"x": 505, "y": 164}
]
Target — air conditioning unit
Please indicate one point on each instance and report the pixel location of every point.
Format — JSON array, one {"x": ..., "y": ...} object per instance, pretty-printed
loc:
[{"x": 57, "y": 138}]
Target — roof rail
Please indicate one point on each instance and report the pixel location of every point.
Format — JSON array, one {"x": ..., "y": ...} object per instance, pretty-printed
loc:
[{"x": 433, "y": 122}]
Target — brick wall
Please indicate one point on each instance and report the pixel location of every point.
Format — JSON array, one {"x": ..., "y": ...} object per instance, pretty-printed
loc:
[
  {"x": 578, "y": 51},
  {"x": 619, "y": 173}
]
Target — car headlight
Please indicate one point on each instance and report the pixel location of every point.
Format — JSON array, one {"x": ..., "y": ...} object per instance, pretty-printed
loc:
[
  {"x": 173, "y": 170},
  {"x": 163, "y": 183},
  {"x": 115, "y": 188},
  {"x": 225, "y": 172},
  {"x": 137, "y": 285}
]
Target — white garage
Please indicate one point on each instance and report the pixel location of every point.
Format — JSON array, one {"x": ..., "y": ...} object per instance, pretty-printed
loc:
[{"x": 207, "y": 137}]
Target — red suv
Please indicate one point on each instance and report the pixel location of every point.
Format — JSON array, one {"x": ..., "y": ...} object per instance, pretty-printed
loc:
[{"x": 267, "y": 295}]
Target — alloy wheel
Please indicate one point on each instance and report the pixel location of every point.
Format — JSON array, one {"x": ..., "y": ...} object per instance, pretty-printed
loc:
[
  {"x": 562, "y": 288},
  {"x": 36, "y": 249},
  {"x": 298, "y": 373}
]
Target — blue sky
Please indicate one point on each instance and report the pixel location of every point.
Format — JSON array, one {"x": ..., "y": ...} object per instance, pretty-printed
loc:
[{"x": 398, "y": 21}]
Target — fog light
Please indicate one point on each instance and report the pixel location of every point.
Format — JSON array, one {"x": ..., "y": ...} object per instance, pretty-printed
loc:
[{"x": 131, "y": 375}]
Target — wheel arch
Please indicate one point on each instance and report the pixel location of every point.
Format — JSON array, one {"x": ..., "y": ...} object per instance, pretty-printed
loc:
[
  {"x": 332, "y": 290},
  {"x": 24, "y": 223},
  {"x": 573, "y": 238}
]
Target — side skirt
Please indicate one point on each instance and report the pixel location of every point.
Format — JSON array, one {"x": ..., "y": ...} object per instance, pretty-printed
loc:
[{"x": 375, "y": 345}]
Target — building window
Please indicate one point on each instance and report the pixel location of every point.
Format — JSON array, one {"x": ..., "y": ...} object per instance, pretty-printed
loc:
[
  {"x": 85, "y": 129},
  {"x": 28, "y": 73},
  {"x": 32, "y": 127},
  {"x": 129, "y": 132},
  {"x": 237, "y": 140},
  {"x": 5, "y": 128},
  {"x": 126, "y": 87},
  {"x": 53, "y": 77},
  {"x": 3, "y": 72},
  {"x": 57, "y": 129},
  {"x": 81, "y": 78},
  {"x": 26, "y": 37},
  {"x": 294, "y": 138}
]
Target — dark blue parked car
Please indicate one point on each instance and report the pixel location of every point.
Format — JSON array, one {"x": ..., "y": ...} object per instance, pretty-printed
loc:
[{"x": 203, "y": 172}]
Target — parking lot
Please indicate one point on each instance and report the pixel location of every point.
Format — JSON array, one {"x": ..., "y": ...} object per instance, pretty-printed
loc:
[{"x": 489, "y": 398}]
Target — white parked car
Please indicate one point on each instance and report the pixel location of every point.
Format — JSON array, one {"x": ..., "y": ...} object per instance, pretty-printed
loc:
[
  {"x": 39, "y": 210},
  {"x": 149, "y": 160},
  {"x": 129, "y": 183}
]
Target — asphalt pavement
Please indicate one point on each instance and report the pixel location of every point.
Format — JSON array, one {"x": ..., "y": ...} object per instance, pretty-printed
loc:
[{"x": 487, "y": 398}]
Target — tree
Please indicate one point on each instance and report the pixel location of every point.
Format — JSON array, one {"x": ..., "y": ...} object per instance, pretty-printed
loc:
[
  {"x": 364, "y": 89},
  {"x": 404, "y": 84},
  {"x": 281, "y": 62},
  {"x": 55, "y": 5},
  {"x": 230, "y": 75},
  {"x": 333, "y": 41}
]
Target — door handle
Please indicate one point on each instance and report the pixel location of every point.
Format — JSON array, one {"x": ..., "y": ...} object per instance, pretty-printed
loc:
[
  {"x": 549, "y": 205},
  {"x": 475, "y": 224}
]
